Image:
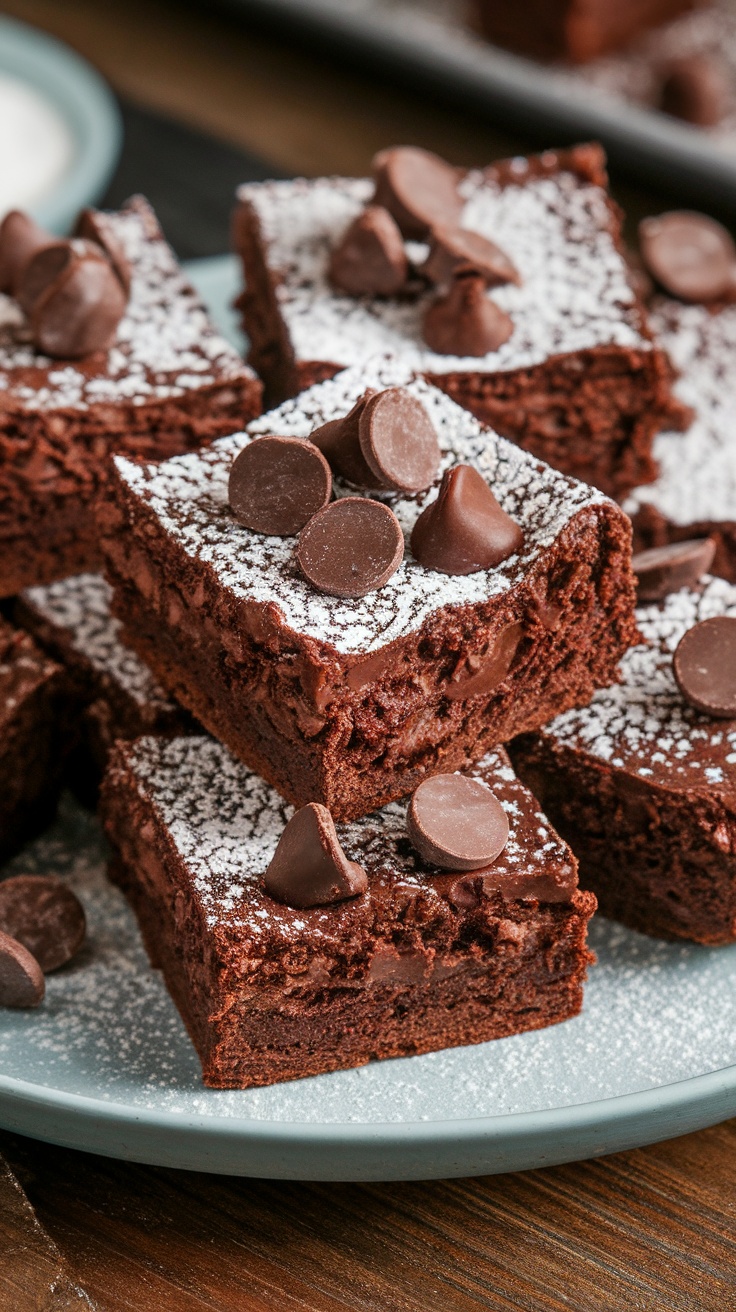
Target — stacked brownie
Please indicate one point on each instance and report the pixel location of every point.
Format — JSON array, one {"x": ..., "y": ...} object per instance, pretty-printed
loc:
[
  {"x": 558, "y": 358},
  {"x": 157, "y": 381}
]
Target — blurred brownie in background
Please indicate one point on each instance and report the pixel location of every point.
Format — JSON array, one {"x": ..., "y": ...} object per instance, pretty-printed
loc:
[{"x": 577, "y": 30}]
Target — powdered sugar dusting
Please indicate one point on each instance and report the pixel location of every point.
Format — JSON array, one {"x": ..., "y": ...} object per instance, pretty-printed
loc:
[
  {"x": 644, "y": 724},
  {"x": 189, "y": 496},
  {"x": 575, "y": 292},
  {"x": 654, "y": 1013},
  {"x": 697, "y": 478},
  {"x": 80, "y": 608},
  {"x": 225, "y": 822},
  {"x": 165, "y": 344}
]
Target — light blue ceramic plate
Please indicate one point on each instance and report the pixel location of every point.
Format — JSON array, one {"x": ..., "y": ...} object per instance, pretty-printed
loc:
[
  {"x": 85, "y": 104},
  {"x": 105, "y": 1065}
]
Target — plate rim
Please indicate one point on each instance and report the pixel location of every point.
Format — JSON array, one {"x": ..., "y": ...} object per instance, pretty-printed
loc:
[{"x": 90, "y": 110}]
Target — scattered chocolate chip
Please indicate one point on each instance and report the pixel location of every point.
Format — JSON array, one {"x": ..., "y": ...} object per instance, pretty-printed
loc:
[
  {"x": 20, "y": 239},
  {"x": 663, "y": 570},
  {"x": 277, "y": 484},
  {"x": 695, "y": 89},
  {"x": 398, "y": 441},
  {"x": 339, "y": 442},
  {"x": 465, "y": 529},
  {"x": 418, "y": 188},
  {"x": 309, "y": 867},
  {"x": 43, "y": 914},
  {"x": 21, "y": 979},
  {"x": 96, "y": 226},
  {"x": 705, "y": 666},
  {"x": 351, "y": 547},
  {"x": 460, "y": 250},
  {"x": 689, "y": 254},
  {"x": 457, "y": 823},
  {"x": 73, "y": 299},
  {"x": 370, "y": 259},
  {"x": 465, "y": 321}
]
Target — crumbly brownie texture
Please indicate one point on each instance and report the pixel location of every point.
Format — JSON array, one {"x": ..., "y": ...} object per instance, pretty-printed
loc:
[
  {"x": 578, "y": 384},
  {"x": 353, "y": 702},
  {"x": 35, "y": 723},
  {"x": 270, "y": 994},
  {"x": 168, "y": 384},
  {"x": 695, "y": 493},
  {"x": 644, "y": 787},
  {"x": 72, "y": 620},
  {"x": 568, "y": 29}
]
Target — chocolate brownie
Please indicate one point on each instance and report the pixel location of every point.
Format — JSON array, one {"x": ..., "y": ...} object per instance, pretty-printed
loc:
[
  {"x": 423, "y": 959},
  {"x": 168, "y": 383},
  {"x": 695, "y": 492},
  {"x": 72, "y": 620},
  {"x": 36, "y": 711},
  {"x": 353, "y": 701},
  {"x": 643, "y": 786},
  {"x": 579, "y": 382},
  {"x": 577, "y": 30}
]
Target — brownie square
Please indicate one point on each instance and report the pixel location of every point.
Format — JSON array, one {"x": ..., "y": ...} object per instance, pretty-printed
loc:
[
  {"x": 36, "y": 711},
  {"x": 643, "y": 786},
  {"x": 579, "y": 383},
  {"x": 418, "y": 962},
  {"x": 168, "y": 383},
  {"x": 577, "y": 30},
  {"x": 695, "y": 492},
  {"x": 120, "y": 698},
  {"x": 352, "y": 702}
]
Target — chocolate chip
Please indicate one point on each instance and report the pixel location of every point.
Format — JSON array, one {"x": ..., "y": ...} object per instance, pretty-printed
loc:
[
  {"x": 309, "y": 867},
  {"x": 21, "y": 979},
  {"x": 690, "y": 255},
  {"x": 418, "y": 188},
  {"x": 277, "y": 483},
  {"x": 695, "y": 89},
  {"x": 663, "y": 570},
  {"x": 460, "y": 250},
  {"x": 370, "y": 259},
  {"x": 482, "y": 674},
  {"x": 705, "y": 666},
  {"x": 96, "y": 227},
  {"x": 398, "y": 441},
  {"x": 465, "y": 321},
  {"x": 351, "y": 547},
  {"x": 457, "y": 823},
  {"x": 465, "y": 529},
  {"x": 20, "y": 239},
  {"x": 339, "y": 442},
  {"x": 73, "y": 299},
  {"x": 43, "y": 914}
]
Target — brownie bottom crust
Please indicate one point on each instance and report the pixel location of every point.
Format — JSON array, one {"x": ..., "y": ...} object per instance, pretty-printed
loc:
[
  {"x": 653, "y": 529},
  {"x": 593, "y": 415},
  {"x": 515, "y": 967},
  {"x": 657, "y": 860}
]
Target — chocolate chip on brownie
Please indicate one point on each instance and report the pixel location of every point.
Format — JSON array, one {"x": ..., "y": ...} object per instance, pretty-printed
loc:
[
  {"x": 339, "y": 442},
  {"x": 705, "y": 666},
  {"x": 309, "y": 867},
  {"x": 277, "y": 483},
  {"x": 73, "y": 298},
  {"x": 464, "y": 321},
  {"x": 418, "y": 188},
  {"x": 399, "y": 441},
  {"x": 662, "y": 570},
  {"x": 689, "y": 254},
  {"x": 351, "y": 547},
  {"x": 460, "y": 250},
  {"x": 457, "y": 823},
  {"x": 465, "y": 529},
  {"x": 370, "y": 259}
]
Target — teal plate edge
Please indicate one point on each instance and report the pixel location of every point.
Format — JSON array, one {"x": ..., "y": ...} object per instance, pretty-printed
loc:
[
  {"x": 421, "y": 1150},
  {"x": 87, "y": 105}
]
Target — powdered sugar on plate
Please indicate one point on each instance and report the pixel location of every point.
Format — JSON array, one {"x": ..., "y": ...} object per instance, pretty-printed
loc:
[
  {"x": 575, "y": 292},
  {"x": 188, "y": 494}
]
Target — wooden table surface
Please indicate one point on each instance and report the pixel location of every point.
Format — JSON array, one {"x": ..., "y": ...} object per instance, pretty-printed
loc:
[{"x": 651, "y": 1230}]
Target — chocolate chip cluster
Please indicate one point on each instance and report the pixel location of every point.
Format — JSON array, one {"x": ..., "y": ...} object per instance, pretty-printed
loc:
[
  {"x": 351, "y": 546},
  {"x": 73, "y": 292},
  {"x": 417, "y": 198}
]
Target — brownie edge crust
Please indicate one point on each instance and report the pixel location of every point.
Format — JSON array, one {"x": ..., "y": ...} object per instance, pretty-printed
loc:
[{"x": 270, "y": 994}]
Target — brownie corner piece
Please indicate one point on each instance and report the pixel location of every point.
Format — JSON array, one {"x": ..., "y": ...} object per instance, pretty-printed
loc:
[
  {"x": 643, "y": 786},
  {"x": 36, "y": 728},
  {"x": 422, "y": 960},
  {"x": 353, "y": 701},
  {"x": 580, "y": 382},
  {"x": 168, "y": 383}
]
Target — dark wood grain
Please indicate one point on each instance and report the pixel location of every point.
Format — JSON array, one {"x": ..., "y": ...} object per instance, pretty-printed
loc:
[
  {"x": 650, "y": 1229},
  {"x": 33, "y": 1276}
]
